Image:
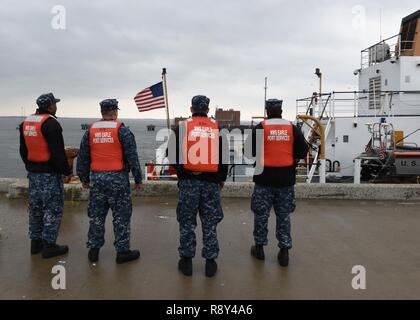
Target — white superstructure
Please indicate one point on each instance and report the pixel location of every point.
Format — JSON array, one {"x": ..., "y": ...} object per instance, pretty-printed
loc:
[{"x": 389, "y": 91}]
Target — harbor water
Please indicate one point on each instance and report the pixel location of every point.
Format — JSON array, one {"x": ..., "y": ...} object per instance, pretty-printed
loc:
[{"x": 11, "y": 165}]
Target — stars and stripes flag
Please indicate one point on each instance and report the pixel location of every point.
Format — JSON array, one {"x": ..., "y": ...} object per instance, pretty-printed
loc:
[
  {"x": 151, "y": 98},
  {"x": 369, "y": 148},
  {"x": 382, "y": 151}
]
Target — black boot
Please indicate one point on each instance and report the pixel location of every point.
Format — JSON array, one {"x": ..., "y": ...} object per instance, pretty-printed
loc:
[
  {"x": 185, "y": 266},
  {"x": 93, "y": 255},
  {"x": 283, "y": 257},
  {"x": 130, "y": 255},
  {"x": 53, "y": 250},
  {"x": 211, "y": 268},
  {"x": 257, "y": 251},
  {"x": 36, "y": 246}
]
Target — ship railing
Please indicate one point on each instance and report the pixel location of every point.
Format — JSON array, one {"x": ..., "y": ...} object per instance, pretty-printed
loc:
[
  {"x": 347, "y": 104},
  {"x": 342, "y": 104},
  {"x": 392, "y": 47}
]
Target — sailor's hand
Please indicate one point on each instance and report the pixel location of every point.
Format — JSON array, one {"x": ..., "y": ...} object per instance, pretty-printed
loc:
[
  {"x": 86, "y": 185},
  {"x": 139, "y": 188},
  {"x": 67, "y": 179}
]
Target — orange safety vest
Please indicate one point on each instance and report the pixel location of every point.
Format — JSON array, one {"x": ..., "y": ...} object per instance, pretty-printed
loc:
[
  {"x": 201, "y": 144},
  {"x": 106, "y": 152},
  {"x": 36, "y": 144},
  {"x": 278, "y": 143}
]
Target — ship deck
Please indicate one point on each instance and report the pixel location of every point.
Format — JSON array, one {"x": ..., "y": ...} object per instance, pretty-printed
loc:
[{"x": 330, "y": 237}]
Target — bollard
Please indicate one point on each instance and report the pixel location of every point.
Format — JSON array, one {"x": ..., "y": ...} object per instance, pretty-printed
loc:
[{"x": 357, "y": 170}]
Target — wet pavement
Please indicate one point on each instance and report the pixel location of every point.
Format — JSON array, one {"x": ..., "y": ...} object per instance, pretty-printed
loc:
[{"x": 330, "y": 237}]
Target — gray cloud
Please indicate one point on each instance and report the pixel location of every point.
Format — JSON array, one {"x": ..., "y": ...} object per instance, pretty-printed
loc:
[{"x": 223, "y": 49}]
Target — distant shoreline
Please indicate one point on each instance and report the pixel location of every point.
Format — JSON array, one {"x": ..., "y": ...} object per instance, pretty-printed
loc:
[
  {"x": 85, "y": 118},
  {"x": 243, "y": 122}
]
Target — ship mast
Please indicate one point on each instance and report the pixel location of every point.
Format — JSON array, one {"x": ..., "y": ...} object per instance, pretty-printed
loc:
[{"x": 265, "y": 96}]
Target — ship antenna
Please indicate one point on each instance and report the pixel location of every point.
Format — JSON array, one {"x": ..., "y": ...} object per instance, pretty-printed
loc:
[
  {"x": 265, "y": 95},
  {"x": 380, "y": 24}
]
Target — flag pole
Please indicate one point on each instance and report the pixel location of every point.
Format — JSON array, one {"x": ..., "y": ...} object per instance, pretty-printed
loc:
[{"x": 165, "y": 91}]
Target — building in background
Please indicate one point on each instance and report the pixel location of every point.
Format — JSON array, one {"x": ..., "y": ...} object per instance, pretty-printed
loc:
[{"x": 228, "y": 118}]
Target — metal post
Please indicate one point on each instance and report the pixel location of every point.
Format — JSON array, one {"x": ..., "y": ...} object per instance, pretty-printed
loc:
[
  {"x": 165, "y": 87},
  {"x": 319, "y": 75},
  {"x": 265, "y": 97},
  {"x": 322, "y": 171},
  {"x": 145, "y": 177},
  {"x": 357, "y": 170},
  {"x": 355, "y": 105},
  {"x": 234, "y": 174}
]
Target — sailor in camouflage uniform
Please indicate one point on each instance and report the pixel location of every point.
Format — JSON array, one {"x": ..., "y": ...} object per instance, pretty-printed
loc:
[
  {"x": 283, "y": 145},
  {"x": 199, "y": 186},
  {"x": 108, "y": 152},
  {"x": 42, "y": 151}
]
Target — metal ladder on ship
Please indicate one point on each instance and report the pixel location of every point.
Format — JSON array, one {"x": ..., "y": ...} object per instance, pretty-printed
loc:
[{"x": 312, "y": 135}]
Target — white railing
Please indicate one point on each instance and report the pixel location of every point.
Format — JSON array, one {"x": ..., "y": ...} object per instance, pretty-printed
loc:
[
  {"x": 387, "y": 49},
  {"x": 356, "y": 103}
]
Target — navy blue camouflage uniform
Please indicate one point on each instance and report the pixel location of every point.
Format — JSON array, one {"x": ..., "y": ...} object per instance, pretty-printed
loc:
[
  {"x": 203, "y": 197},
  {"x": 46, "y": 190},
  {"x": 110, "y": 190},
  {"x": 263, "y": 200},
  {"x": 199, "y": 193},
  {"x": 274, "y": 188}
]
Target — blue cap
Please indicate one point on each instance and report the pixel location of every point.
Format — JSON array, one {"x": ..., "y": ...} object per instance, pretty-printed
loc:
[
  {"x": 45, "y": 100},
  {"x": 200, "y": 103},
  {"x": 109, "y": 105},
  {"x": 274, "y": 104}
]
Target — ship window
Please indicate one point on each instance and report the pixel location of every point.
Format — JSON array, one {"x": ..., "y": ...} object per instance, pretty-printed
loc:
[
  {"x": 375, "y": 93},
  {"x": 408, "y": 33},
  {"x": 346, "y": 139}
]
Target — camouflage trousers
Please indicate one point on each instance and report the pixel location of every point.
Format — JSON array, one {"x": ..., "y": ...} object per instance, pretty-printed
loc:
[
  {"x": 110, "y": 190},
  {"x": 283, "y": 201},
  {"x": 46, "y": 204},
  {"x": 204, "y": 198}
]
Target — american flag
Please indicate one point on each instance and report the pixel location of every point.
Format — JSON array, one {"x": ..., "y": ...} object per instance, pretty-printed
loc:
[
  {"x": 150, "y": 98},
  {"x": 382, "y": 151},
  {"x": 369, "y": 148}
]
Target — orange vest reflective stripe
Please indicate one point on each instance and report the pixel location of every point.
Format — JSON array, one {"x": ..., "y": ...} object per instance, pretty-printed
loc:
[
  {"x": 278, "y": 143},
  {"x": 106, "y": 151},
  {"x": 36, "y": 144},
  {"x": 201, "y": 144}
]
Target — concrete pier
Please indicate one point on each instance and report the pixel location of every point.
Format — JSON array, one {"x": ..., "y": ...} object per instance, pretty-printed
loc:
[
  {"x": 18, "y": 189},
  {"x": 330, "y": 238}
]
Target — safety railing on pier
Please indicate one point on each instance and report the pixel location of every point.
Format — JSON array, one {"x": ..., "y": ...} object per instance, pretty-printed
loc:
[{"x": 162, "y": 172}]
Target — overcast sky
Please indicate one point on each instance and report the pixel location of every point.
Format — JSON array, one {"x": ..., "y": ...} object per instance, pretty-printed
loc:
[{"x": 222, "y": 49}]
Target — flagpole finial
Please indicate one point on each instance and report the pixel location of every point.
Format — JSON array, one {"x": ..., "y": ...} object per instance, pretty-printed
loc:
[{"x": 163, "y": 71}]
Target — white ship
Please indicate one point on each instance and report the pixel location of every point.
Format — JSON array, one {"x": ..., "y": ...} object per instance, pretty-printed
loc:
[{"x": 379, "y": 124}]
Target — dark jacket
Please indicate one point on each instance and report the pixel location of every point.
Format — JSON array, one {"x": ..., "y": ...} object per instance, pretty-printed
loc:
[
  {"x": 280, "y": 177},
  {"x": 216, "y": 177},
  {"x": 53, "y": 134},
  {"x": 130, "y": 155}
]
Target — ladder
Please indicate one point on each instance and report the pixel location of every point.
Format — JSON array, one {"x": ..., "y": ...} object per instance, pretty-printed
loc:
[
  {"x": 311, "y": 136},
  {"x": 315, "y": 162}
]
